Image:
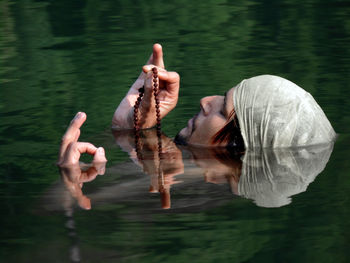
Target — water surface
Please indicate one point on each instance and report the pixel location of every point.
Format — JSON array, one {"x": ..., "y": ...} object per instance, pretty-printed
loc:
[{"x": 60, "y": 57}]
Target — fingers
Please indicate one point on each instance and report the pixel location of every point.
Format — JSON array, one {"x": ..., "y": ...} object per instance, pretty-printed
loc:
[
  {"x": 171, "y": 78},
  {"x": 148, "y": 67},
  {"x": 71, "y": 180},
  {"x": 154, "y": 185},
  {"x": 148, "y": 84},
  {"x": 77, "y": 135},
  {"x": 100, "y": 157},
  {"x": 75, "y": 149},
  {"x": 89, "y": 175},
  {"x": 165, "y": 198},
  {"x": 158, "y": 56},
  {"x": 71, "y": 149},
  {"x": 84, "y": 202},
  {"x": 173, "y": 81},
  {"x": 73, "y": 130},
  {"x": 169, "y": 85},
  {"x": 168, "y": 76},
  {"x": 72, "y": 134}
]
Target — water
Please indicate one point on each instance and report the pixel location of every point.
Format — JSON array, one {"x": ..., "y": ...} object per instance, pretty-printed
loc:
[{"x": 60, "y": 57}]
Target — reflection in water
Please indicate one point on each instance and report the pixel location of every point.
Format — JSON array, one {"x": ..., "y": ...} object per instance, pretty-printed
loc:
[
  {"x": 45, "y": 78},
  {"x": 269, "y": 177},
  {"x": 74, "y": 251},
  {"x": 67, "y": 199}
]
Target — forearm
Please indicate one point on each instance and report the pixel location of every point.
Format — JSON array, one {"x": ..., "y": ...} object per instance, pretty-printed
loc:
[
  {"x": 123, "y": 115},
  {"x": 167, "y": 96}
]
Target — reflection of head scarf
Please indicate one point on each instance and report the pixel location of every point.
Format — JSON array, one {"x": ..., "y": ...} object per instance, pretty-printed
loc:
[
  {"x": 271, "y": 176},
  {"x": 274, "y": 112}
]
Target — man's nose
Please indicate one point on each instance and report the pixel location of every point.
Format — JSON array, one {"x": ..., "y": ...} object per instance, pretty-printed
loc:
[{"x": 206, "y": 104}]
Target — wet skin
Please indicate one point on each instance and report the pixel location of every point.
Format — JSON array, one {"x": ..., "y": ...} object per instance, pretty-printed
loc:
[{"x": 213, "y": 115}]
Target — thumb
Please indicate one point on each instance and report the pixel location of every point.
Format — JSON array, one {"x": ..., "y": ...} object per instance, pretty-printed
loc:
[{"x": 100, "y": 156}]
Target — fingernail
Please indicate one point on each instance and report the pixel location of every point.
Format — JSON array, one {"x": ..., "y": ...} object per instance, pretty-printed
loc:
[
  {"x": 101, "y": 150},
  {"x": 78, "y": 115},
  {"x": 100, "y": 156},
  {"x": 147, "y": 67}
]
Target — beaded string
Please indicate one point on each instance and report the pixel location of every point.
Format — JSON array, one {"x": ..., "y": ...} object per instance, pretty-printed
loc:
[
  {"x": 155, "y": 83},
  {"x": 136, "y": 124}
]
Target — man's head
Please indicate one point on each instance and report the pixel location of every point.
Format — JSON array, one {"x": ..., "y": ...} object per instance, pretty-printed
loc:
[
  {"x": 271, "y": 111},
  {"x": 207, "y": 127}
]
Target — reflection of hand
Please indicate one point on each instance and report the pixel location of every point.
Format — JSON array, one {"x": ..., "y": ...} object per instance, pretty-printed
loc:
[
  {"x": 162, "y": 172},
  {"x": 171, "y": 163},
  {"x": 168, "y": 94},
  {"x": 74, "y": 177},
  {"x": 68, "y": 161}
]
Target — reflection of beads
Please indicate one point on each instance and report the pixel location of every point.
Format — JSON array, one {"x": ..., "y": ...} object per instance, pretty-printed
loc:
[{"x": 136, "y": 123}]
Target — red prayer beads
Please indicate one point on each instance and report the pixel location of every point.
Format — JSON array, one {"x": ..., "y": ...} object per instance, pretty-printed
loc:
[
  {"x": 155, "y": 88},
  {"x": 155, "y": 83}
]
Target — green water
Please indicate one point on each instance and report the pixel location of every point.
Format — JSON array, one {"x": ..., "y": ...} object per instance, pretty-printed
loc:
[{"x": 60, "y": 57}]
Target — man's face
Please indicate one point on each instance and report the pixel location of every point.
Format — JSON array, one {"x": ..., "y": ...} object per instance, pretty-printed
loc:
[{"x": 214, "y": 114}]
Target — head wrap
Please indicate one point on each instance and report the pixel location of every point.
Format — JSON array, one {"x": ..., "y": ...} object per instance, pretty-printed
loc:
[{"x": 275, "y": 112}]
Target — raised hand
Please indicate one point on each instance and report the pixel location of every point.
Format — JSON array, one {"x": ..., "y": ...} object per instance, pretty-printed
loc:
[
  {"x": 169, "y": 84},
  {"x": 168, "y": 94},
  {"x": 73, "y": 173},
  {"x": 71, "y": 149}
]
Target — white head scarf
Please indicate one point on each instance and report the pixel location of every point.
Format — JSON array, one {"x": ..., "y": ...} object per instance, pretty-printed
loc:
[{"x": 274, "y": 112}]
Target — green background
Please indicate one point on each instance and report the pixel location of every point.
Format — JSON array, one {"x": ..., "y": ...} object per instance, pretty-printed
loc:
[{"x": 60, "y": 57}]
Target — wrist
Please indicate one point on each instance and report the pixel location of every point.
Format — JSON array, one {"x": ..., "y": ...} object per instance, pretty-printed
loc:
[{"x": 123, "y": 119}]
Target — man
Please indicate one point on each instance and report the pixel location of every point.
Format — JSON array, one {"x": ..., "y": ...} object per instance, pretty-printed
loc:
[
  {"x": 263, "y": 111},
  {"x": 215, "y": 110}
]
